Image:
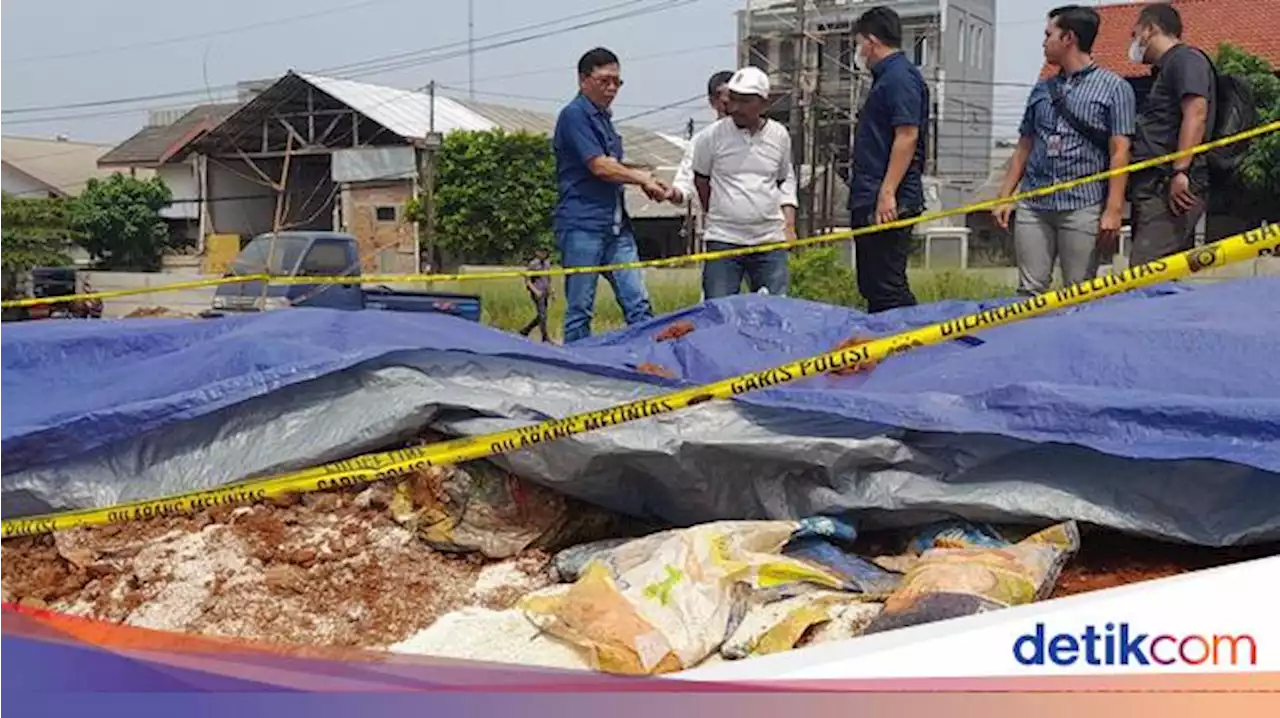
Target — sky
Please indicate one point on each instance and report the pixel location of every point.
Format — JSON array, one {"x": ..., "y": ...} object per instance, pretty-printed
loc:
[{"x": 72, "y": 52}]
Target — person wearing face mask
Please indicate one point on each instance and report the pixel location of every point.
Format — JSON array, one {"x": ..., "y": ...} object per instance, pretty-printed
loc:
[
  {"x": 743, "y": 176},
  {"x": 1077, "y": 123},
  {"x": 591, "y": 223},
  {"x": 1168, "y": 201},
  {"x": 888, "y": 159}
]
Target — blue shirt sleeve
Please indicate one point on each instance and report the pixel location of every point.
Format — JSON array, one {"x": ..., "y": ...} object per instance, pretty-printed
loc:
[
  {"x": 906, "y": 102},
  {"x": 1123, "y": 110},
  {"x": 1028, "y": 126},
  {"x": 576, "y": 138}
]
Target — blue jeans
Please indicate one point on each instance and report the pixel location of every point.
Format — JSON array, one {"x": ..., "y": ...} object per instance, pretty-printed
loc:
[
  {"x": 592, "y": 249},
  {"x": 723, "y": 277}
]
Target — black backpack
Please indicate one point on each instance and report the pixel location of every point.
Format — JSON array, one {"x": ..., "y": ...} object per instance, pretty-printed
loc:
[{"x": 1234, "y": 112}]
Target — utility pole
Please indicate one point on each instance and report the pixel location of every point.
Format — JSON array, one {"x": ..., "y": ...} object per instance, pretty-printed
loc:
[
  {"x": 795, "y": 118},
  {"x": 471, "y": 51},
  {"x": 427, "y": 179}
]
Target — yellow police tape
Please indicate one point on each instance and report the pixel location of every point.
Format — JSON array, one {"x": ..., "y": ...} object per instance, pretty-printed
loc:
[
  {"x": 687, "y": 258},
  {"x": 109, "y": 294},
  {"x": 374, "y": 467},
  {"x": 808, "y": 241}
]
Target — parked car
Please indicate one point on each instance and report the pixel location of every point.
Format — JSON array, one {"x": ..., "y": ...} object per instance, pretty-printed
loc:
[{"x": 322, "y": 254}]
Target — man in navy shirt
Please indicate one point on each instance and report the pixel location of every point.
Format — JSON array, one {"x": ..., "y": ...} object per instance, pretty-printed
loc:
[
  {"x": 591, "y": 222},
  {"x": 888, "y": 159}
]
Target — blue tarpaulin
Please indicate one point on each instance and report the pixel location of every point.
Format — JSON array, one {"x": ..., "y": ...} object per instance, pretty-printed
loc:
[{"x": 1182, "y": 375}]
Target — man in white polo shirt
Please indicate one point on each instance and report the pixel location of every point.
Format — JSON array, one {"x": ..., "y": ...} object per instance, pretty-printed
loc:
[{"x": 744, "y": 178}]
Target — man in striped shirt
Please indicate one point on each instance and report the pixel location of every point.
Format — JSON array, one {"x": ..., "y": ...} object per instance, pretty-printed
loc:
[{"x": 1077, "y": 123}]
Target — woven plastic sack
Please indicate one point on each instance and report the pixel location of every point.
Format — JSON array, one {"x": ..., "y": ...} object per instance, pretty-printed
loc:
[
  {"x": 948, "y": 583},
  {"x": 665, "y": 602},
  {"x": 778, "y": 626},
  {"x": 479, "y": 507}
]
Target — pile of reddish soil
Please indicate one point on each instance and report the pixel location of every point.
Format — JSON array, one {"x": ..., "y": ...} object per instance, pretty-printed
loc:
[
  {"x": 1108, "y": 559},
  {"x": 157, "y": 312},
  {"x": 322, "y": 571}
]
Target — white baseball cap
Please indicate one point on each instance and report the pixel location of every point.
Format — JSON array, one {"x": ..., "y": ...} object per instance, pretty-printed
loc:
[{"x": 750, "y": 81}]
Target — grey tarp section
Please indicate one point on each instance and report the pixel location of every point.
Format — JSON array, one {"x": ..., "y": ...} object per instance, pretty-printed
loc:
[{"x": 720, "y": 460}]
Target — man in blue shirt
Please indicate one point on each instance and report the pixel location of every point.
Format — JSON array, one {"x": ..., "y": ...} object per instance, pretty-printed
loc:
[
  {"x": 1077, "y": 123},
  {"x": 591, "y": 222},
  {"x": 888, "y": 159}
]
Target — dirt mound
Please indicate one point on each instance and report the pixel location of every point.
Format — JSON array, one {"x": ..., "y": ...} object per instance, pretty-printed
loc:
[
  {"x": 323, "y": 571},
  {"x": 157, "y": 313}
]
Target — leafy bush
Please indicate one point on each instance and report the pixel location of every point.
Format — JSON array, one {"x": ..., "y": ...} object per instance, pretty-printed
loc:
[
  {"x": 118, "y": 221},
  {"x": 495, "y": 194},
  {"x": 821, "y": 275},
  {"x": 1260, "y": 168}
]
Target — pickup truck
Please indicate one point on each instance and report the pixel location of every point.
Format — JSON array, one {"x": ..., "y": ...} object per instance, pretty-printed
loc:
[{"x": 321, "y": 254}]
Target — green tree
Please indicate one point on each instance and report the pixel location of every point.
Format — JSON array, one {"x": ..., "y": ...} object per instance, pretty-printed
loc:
[
  {"x": 495, "y": 193},
  {"x": 118, "y": 222},
  {"x": 35, "y": 233},
  {"x": 1260, "y": 167}
]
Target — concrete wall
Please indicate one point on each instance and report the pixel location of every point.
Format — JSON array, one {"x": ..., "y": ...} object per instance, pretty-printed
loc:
[
  {"x": 181, "y": 180},
  {"x": 191, "y": 301},
  {"x": 387, "y": 246},
  {"x": 966, "y": 59}
]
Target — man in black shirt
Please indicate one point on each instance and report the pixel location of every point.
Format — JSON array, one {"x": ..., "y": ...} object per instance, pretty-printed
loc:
[{"x": 1168, "y": 201}]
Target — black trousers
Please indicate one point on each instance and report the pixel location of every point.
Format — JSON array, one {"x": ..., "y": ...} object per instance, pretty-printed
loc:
[
  {"x": 539, "y": 321},
  {"x": 881, "y": 260}
]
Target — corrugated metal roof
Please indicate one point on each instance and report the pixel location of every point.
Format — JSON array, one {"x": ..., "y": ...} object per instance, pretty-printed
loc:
[
  {"x": 405, "y": 112},
  {"x": 150, "y": 145}
]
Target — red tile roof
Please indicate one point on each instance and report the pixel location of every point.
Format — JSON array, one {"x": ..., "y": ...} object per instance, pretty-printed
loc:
[{"x": 1249, "y": 24}]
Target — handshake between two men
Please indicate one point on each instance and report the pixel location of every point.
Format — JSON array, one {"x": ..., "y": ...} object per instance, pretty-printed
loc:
[{"x": 659, "y": 191}]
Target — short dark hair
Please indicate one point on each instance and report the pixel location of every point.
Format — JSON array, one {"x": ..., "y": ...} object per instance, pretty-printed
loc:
[
  {"x": 1163, "y": 16},
  {"x": 882, "y": 23},
  {"x": 1083, "y": 22},
  {"x": 718, "y": 79},
  {"x": 598, "y": 57}
]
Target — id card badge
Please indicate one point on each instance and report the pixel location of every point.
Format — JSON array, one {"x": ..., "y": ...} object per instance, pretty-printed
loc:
[{"x": 1055, "y": 145}]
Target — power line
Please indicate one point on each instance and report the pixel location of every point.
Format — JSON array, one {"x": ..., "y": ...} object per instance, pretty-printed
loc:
[
  {"x": 625, "y": 61},
  {"x": 359, "y": 68},
  {"x": 417, "y": 58},
  {"x": 201, "y": 35}
]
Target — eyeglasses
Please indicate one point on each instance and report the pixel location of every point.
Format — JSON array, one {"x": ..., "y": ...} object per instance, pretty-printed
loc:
[{"x": 607, "y": 80}]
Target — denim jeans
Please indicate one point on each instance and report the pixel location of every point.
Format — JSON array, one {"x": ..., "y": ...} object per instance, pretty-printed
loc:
[
  {"x": 723, "y": 277},
  {"x": 591, "y": 249}
]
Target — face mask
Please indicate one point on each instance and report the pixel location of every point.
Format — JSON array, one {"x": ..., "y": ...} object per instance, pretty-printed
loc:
[
  {"x": 860, "y": 60},
  {"x": 1137, "y": 52}
]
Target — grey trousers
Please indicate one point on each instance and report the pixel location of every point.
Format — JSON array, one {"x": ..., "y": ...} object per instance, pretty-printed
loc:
[
  {"x": 1070, "y": 237},
  {"x": 1157, "y": 231}
]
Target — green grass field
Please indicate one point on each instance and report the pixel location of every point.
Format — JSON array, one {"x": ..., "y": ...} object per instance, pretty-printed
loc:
[{"x": 507, "y": 306}]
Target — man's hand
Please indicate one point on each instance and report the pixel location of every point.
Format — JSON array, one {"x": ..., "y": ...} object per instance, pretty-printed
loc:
[
  {"x": 886, "y": 208},
  {"x": 1181, "y": 198},
  {"x": 675, "y": 196},
  {"x": 1109, "y": 232},
  {"x": 1002, "y": 214},
  {"x": 655, "y": 190},
  {"x": 789, "y": 233}
]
